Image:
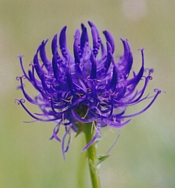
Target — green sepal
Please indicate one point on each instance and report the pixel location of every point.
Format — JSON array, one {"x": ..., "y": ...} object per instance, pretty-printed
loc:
[{"x": 80, "y": 129}]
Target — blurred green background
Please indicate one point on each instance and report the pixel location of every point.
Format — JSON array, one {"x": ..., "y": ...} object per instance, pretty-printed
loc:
[{"x": 144, "y": 156}]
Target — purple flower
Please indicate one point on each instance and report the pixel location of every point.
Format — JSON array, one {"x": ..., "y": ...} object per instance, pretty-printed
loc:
[{"x": 90, "y": 86}]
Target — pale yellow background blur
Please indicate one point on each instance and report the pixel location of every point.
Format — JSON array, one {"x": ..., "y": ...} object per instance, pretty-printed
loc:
[{"x": 144, "y": 156}]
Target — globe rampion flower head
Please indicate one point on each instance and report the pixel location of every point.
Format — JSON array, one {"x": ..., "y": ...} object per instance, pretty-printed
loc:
[{"x": 88, "y": 86}]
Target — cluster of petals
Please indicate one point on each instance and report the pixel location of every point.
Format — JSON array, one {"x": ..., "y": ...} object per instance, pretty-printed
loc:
[{"x": 90, "y": 86}]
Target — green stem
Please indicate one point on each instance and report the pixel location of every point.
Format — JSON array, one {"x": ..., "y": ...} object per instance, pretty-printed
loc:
[{"x": 92, "y": 156}]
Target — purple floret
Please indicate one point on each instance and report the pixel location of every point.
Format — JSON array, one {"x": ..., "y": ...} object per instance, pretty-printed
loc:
[{"x": 90, "y": 86}]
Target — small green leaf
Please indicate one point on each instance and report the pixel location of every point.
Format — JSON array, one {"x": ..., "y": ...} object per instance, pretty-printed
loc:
[
  {"x": 102, "y": 158},
  {"x": 93, "y": 166}
]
